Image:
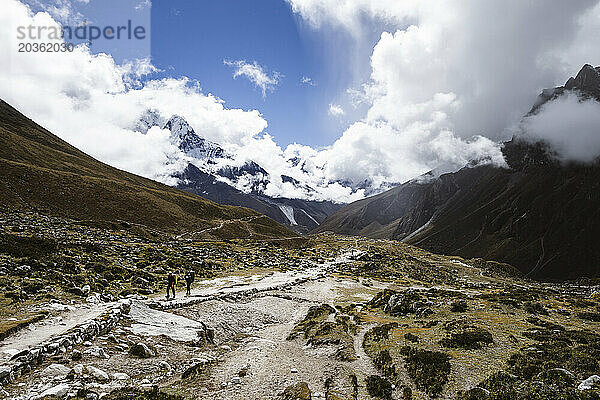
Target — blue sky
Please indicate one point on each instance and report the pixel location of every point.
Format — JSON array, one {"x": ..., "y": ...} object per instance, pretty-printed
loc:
[{"x": 192, "y": 38}]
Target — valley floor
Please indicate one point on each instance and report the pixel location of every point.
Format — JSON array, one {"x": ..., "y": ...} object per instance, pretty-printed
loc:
[{"x": 340, "y": 318}]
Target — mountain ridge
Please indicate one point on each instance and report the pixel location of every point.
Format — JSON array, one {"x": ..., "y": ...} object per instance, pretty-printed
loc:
[
  {"x": 216, "y": 175},
  {"x": 41, "y": 172},
  {"x": 538, "y": 215}
]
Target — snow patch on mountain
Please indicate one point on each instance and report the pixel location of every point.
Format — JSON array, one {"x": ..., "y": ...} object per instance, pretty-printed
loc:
[
  {"x": 309, "y": 216},
  {"x": 289, "y": 213}
]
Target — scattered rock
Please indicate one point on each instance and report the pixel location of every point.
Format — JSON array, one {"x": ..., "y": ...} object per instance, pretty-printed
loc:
[
  {"x": 141, "y": 350},
  {"x": 97, "y": 374},
  {"x": 57, "y": 391},
  {"x": 194, "y": 369},
  {"x": 98, "y": 352},
  {"x": 56, "y": 371},
  {"x": 299, "y": 391},
  {"x": 78, "y": 369},
  {"x": 120, "y": 376},
  {"x": 401, "y": 303},
  {"x": 165, "y": 366},
  {"x": 593, "y": 382}
]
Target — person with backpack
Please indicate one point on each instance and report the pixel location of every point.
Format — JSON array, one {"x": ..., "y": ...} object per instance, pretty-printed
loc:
[
  {"x": 189, "y": 279},
  {"x": 171, "y": 283}
]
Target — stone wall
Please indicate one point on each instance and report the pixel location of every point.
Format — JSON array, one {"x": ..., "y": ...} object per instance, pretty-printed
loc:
[{"x": 26, "y": 360}]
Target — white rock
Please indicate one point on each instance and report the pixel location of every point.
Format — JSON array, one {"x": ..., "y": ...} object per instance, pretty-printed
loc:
[
  {"x": 11, "y": 352},
  {"x": 120, "y": 376},
  {"x": 98, "y": 374},
  {"x": 93, "y": 299},
  {"x": 96, "y": 352},
  {"x": 236, "y": 380},
  {"x": 78, "y": 369},
  {"x": 592, "y": 382},
  {"x": 56, "y": 391},
  {"x": 165, "y": 366},
  {"x": 294, "y": 371},
  {"x": 56, "y": 371}
]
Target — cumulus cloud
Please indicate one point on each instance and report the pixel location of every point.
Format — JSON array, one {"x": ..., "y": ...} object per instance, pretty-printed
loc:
[
  {"x": 255, "y": 74},
  {"x": 93, "y": 103},
  {"x": 61, "y": 10},
  {"x": 445, "y": 82},
  {"x": 307, "y": 81},
  {"x": 570, "y": 125},
  {"x": 336, "y": 110},
  {"x": 448, "y": 78}
]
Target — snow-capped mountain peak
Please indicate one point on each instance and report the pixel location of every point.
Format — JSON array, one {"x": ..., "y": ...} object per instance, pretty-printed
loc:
[{"x": 190, "y": 143}]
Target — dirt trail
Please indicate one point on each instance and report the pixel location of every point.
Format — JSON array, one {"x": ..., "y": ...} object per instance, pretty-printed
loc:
[
  {"x": 70, "y": 316},
  {"x": 273, "y": 362},
  {"x": 250, "y": 333}
]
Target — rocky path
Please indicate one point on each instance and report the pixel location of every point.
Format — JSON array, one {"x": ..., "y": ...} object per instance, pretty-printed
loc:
[
  {"x": 67, "y": 318},
  {"x": 266, "y": 359},
  {"x": 70, "y": 316},
  {"x": 251, "y": 317}
]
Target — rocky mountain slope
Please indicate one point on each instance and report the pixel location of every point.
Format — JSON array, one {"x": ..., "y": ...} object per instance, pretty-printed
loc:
[
  {"x": 41, "y": 172},
  {"x": 540, "y": 215},
  {"x": 216, "y": 175}
]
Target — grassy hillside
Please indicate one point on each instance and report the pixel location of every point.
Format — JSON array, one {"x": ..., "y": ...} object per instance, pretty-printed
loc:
[{"x": 41, "y": 172}]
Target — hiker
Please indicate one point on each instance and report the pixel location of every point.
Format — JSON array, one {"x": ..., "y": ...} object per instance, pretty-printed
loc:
[
  {"x": 189, "y": 279},
  {"x": 171, "y": 283}
]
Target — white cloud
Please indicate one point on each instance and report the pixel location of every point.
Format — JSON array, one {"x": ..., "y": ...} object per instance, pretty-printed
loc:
[
  {"x": 440, "y": 93},
  {"x": 570, "y": 125},
  {"x": 335, "y": 110},
  {"x": 61, "y": 10},
  {"x": 255, "y": 74},
  {"x": 93, "y": 103},
  {"x": 307, "y": 81},
  {"x": 143, "y": 4},
  {"x": 449, "y": 77}
]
